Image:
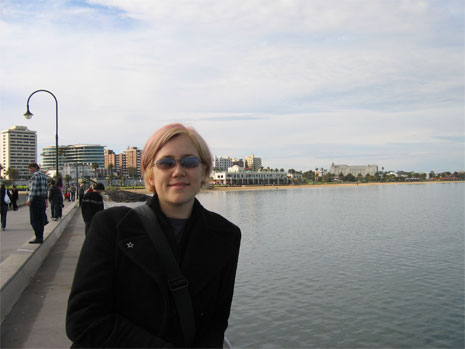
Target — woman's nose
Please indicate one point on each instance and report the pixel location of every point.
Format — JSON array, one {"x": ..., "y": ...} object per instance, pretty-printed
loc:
[{"x": 178, "y": 169}]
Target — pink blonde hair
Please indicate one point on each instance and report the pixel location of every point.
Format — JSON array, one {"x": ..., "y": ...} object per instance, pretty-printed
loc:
[{"x": 161, "y": 137}]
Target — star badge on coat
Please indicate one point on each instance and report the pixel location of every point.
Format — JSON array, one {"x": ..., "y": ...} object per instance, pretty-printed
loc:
[{"x": 130, "y": 244}]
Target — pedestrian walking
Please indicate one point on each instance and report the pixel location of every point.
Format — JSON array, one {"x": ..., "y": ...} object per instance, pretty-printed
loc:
[
  {"x": 14, "y": 198},
  {"x": 91, "y": 204},
  {"x": 37, "y": 202},
  {"x": 5, "y": 200},
  {"x": 56, "y": 201}
]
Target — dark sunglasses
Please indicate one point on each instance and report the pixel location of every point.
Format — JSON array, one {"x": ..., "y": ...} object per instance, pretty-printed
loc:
[{"x": 169, "y": 163}]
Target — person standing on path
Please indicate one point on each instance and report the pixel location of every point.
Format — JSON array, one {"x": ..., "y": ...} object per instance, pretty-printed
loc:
[
  {"x": 56, "y": 201},
  {"x": 91, "y": 204},
  {"x": 37, "y": 202},
  {"x": 4, "y": 204},
  {"x": 122, "y": 294},
  {"x": 14, "y": 198},
  {"x": 81, "y": 194},
  {"x": 72, "y": 190}
]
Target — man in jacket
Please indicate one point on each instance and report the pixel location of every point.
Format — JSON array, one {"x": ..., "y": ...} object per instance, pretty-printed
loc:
[
  {"x": 37, "y": 202},
  {"x": 91, "y": 204}
]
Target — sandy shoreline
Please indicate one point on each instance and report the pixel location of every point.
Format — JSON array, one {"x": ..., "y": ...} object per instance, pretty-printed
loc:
[{"x": 283, "y": 187}]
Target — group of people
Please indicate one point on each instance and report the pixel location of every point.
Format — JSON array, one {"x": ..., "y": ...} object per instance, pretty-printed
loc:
[
  {"x": 8, "y": 199},
  {"x": 41, "y": 194}
]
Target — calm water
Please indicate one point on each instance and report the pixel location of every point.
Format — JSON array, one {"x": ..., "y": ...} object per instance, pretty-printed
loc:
[{"x": 354, "y": 267}]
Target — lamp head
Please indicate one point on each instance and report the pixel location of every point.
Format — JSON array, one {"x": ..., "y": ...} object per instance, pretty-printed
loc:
[{"x": 28, "y": 114}]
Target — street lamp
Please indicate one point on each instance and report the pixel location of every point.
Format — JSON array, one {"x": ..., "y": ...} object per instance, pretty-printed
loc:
[{"x": 28, "y": 115}]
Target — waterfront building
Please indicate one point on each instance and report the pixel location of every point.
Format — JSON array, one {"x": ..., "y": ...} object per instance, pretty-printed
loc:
[
  {"x": 221, "y": 163},
  {"x": 238, "y": 176},
  {"x": 18, "y": 149},
  {"x": 353, "y": 170},
  {"x": 253, "y": 163},
  {"x": 80, "y": 153}
]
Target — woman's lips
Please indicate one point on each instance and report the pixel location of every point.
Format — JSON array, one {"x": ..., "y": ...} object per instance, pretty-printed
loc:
[{"x": 179, "y": 185}]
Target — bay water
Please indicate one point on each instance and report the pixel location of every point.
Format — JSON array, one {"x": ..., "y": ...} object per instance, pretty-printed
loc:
[{"x": 377, "y": 266}]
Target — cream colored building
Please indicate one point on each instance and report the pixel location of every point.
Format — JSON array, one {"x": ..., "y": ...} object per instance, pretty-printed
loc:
[
  {"x": 253, "y": 163},
  {"x": 18, "y": 150},
  {"x": 238, "y": 176},
  {"x": 353, "y": 170}
]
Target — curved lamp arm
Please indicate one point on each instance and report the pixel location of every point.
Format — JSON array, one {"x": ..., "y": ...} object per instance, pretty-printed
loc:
[{"x": 28, "y": 115}]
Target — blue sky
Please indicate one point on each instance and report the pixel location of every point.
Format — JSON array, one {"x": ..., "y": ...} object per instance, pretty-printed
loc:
[{"x": 300, "y": 84}]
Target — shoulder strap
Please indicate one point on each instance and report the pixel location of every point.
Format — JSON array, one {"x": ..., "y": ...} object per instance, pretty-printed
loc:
[{"x": 177, "y": 283}]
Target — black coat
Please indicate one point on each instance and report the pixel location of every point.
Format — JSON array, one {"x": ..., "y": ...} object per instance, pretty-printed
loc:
[
  {"x": 119, "y": 297},
  {"x": 55, "y": 196}
]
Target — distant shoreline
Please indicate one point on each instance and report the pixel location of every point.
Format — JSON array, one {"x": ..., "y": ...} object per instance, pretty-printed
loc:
[{"x": 299, "y": 186}]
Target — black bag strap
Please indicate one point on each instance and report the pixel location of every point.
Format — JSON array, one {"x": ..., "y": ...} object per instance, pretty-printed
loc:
[{"x": 177, "y": 283}]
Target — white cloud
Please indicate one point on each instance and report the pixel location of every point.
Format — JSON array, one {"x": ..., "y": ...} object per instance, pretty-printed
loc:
[{"x": 283, "y": 75}]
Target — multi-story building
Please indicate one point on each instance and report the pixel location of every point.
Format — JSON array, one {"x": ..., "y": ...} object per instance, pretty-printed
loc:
[
  {"x": 80, "y": 153},
  {"x": 221, "y": 163},
  {"x": 122, "y": 162},
  {"x": 121, "y": 159},
  {"x": 238, "y": 176},
  {"x": 111, "y": 158},
  {"x": 353, "y": 170},
  {"x": 132, "y": 155},
  {"x": 253, "y": 163},
  {"x": 18, "y": 149},
  {"x": 78, "y": 170}
]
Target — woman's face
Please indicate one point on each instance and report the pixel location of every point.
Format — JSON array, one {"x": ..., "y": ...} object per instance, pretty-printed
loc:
[{"x": 177, "y": 187}]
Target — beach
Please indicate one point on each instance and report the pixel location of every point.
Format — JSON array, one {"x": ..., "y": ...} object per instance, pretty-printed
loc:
[{"x": 299, "y": 186}]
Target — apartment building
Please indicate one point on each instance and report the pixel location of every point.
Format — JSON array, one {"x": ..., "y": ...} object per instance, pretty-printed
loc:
[
  {"x": 253, "y": 163},
  {"x": 122, "y": 162},
  {"x": 111, "y": 158},
  {"x": 221, "y": 163},
  {"x": 18, "y": 149},
  {"x": 133, "y": 156}
]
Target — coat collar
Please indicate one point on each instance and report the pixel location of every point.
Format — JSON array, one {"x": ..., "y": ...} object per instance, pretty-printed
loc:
[{"x": 208, "y": 249}]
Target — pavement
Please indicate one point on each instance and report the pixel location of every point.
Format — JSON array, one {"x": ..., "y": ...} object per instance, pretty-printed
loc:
[{"x": 36, "y": 279}]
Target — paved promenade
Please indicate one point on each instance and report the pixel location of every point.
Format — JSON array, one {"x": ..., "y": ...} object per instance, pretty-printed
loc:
[{"x": 37, "y": 320}]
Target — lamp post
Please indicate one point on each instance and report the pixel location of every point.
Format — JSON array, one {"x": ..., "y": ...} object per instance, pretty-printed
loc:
[{"x": 28, "y": 115}]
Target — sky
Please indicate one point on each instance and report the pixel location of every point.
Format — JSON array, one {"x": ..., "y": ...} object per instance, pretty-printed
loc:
[{"x": 301, "y": 84}]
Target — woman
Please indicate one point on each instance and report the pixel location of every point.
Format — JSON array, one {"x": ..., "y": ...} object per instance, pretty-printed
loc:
[
  {"x": 4, "y": 204},
  {"x": 56, "y": 201},
  {"x": 118, "y": 294}
]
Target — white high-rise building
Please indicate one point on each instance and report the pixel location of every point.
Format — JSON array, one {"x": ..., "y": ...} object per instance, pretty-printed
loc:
[
  {"x": 222, "y": 163},
  {"x": 18, "y": 150}
]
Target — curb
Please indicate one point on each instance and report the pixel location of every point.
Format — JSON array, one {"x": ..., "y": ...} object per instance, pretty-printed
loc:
[{"x": 18, "y": 269}]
